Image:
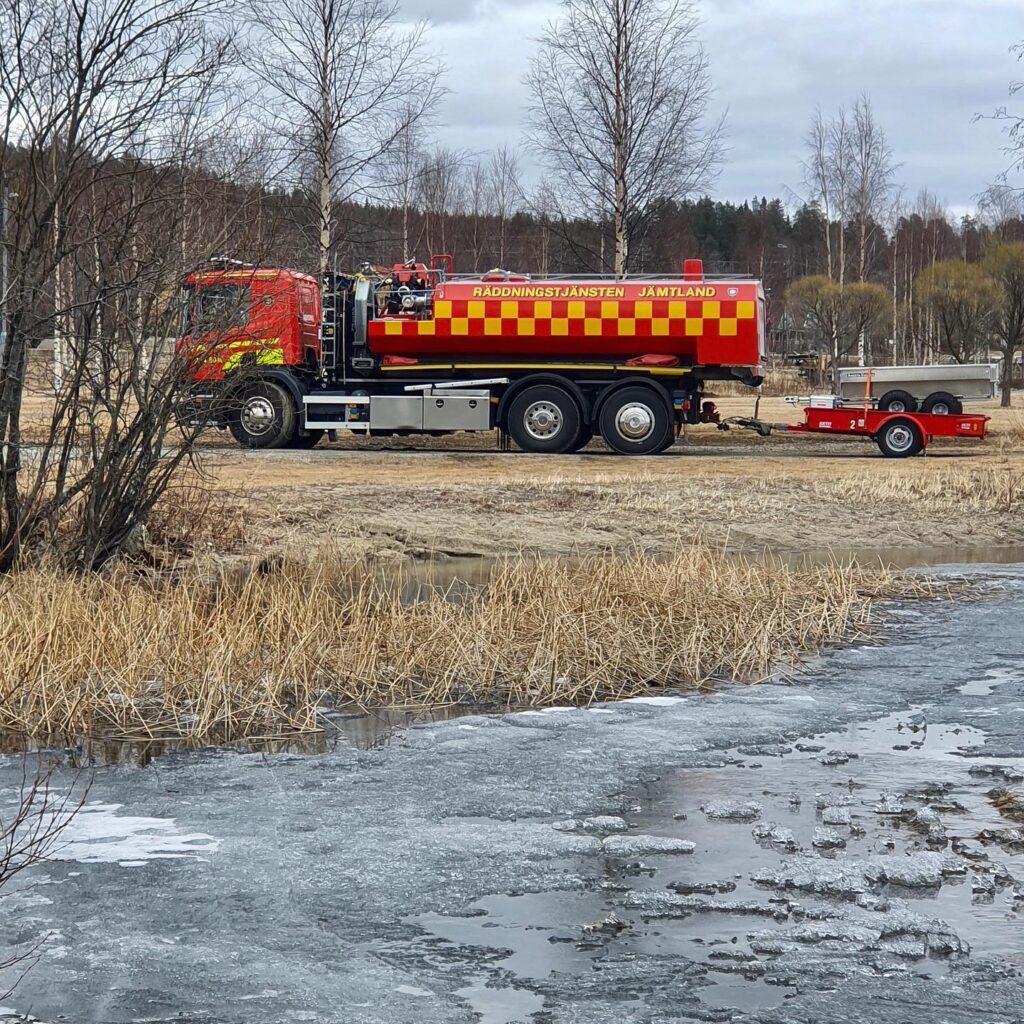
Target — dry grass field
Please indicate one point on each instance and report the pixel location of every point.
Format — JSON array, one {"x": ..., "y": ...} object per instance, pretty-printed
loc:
[
  {"x": 279, "y": 582},
  {"x": 458, "y": 496}
]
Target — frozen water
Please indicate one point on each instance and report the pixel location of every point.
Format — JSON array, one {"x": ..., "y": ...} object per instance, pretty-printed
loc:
[
  {"x": 345, "y": 885},
  {"x": 732, "y": 810},
  {"x": 99, "y": 835}
]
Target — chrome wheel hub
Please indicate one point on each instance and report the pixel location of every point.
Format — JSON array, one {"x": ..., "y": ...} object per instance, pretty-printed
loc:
[
  {"x": 635, "y": 421},
  {"x": 542, "y": 420},
  {"x": 900, "y": 438},
  {"x": 257, "y": 415}
]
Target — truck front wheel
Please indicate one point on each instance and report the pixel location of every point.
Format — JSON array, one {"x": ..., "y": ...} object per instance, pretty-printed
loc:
[
  {"x": 543, "y": 418},
  {"x": 264, "y": 416},
  {"x": 636, "y": 421}
]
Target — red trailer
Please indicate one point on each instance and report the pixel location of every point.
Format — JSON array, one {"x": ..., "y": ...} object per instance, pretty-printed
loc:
[{"x": 898, "y": 435}]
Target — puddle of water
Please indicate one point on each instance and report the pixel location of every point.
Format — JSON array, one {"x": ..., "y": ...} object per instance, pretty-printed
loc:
[
  {"x": 540, "y": 933},
  {"x": 500, "y": 1006},
  {"x": 363, "y": 730},
  {"x": 905, "y": 557},
  {"x": 986, "y": 685}
]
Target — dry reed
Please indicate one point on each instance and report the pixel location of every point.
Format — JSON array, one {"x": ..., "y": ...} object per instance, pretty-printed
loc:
[
  {"x": 255, "y": 652},
  {"x": 978, "y": 488}
]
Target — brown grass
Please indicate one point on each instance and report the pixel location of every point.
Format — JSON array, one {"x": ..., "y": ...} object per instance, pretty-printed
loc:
[
  {"x": 981, "y": 488},
  {"x": 254, "y": 652}
]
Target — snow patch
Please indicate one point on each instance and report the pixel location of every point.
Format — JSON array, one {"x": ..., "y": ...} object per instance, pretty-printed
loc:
[
  {"x": 99, "y": 835},
  {"x": 661, "y": 702}
]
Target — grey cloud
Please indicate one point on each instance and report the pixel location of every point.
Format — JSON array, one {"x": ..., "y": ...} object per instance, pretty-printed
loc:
[{"x": 929, "y": 66}]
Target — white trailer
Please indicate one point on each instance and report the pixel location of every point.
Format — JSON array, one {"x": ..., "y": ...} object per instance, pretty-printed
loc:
[{"x": 941, "y": 388}]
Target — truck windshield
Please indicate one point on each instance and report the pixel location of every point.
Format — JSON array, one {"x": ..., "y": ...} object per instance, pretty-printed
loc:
[{"x": 214, "y": 307}]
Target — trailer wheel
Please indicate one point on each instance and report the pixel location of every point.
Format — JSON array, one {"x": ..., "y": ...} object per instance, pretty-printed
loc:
[
  {"x": 543, "y": 418},
  {"x": 899, "y": 439},
  {"x": 897, "y": 401},
  {"x": 942, "y": 403},
  {"x": 635, "y": 421},
  {"x": 263, "y": 416}
]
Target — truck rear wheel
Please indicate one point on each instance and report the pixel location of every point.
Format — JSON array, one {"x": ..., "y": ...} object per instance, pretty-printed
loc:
[
  {"x": 899, "y": 439},
  {"x": 264, "y": 416},
  {"x": 304, "y": 442},
  {"x": 543, "y": 418},
  {"x": 897, "y": 401},
  {"x": 942, "y": 403},
  {"x": 635, "y": 421},
  {"x": 586, "y": 435}
]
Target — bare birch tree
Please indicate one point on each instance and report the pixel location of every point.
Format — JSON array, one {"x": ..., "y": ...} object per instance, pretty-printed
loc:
[
  {"x": 352, "y": 79},
  {"x": 619, "y": 112},
  {"x": 871, "y": 181},
  {"x": 475, "y": 188},
  {"x": 400, "y": 170},
  {"x": 505, "y": 192},
  {"x": 818, "y": 179},
  {"x": 90, "y": 102},
  {"x": 439, "y": 189}
]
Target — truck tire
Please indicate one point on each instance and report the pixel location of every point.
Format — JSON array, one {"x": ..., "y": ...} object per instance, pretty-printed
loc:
[
  {"x": 264, "y": 416},
  {"x": 543, "y": 418},
  {"x": 942, "y": 403},
  {"x": 897, "y": 401},
  {"x": 304, "y": 442},
  {"x": 635, "y": 421},
  {"x": 899, "y": 439},
  {"x": 585, "y": 437}
]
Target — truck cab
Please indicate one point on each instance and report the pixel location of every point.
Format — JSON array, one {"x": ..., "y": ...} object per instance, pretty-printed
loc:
[{"x": 236, "y": 316}]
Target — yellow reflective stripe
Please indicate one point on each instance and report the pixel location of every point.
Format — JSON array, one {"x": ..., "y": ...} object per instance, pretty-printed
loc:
[{"x": 615, "y": 367}]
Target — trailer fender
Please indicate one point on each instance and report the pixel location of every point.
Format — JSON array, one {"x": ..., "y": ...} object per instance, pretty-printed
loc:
[{"x": 554, "y": 379}]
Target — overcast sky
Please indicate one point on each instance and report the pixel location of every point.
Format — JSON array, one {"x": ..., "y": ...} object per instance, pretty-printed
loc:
[{"x": 929, "y": 67}]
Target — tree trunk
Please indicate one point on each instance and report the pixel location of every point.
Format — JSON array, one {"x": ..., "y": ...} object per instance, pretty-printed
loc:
[
  {"x": 325, "y": 219},
  {"x": 621, "y": 241}
]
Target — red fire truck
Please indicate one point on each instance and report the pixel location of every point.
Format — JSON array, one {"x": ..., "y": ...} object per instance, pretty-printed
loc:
[{"x": 547, "y": 361}]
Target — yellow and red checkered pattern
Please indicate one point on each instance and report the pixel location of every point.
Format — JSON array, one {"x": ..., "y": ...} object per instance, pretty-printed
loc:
[
  {"x": 577, "y": 318},
  {"x": 713, "y": 330}
]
